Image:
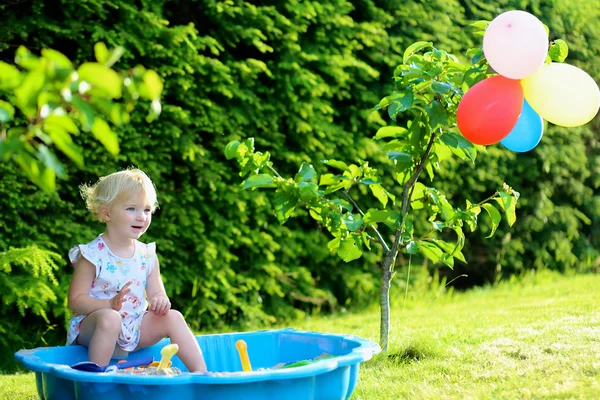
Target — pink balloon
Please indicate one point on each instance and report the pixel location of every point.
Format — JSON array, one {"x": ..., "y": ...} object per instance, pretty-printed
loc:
[{"x": 515, "y": 44}]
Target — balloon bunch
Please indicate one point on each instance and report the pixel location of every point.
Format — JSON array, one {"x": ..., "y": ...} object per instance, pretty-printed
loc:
[{"x": 510, "y": 107}]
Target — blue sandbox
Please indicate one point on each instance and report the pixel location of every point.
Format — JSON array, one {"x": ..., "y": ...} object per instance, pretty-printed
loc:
[{"x": 327, "y": 379}]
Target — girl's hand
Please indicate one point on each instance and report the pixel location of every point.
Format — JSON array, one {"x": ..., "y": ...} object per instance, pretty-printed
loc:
[
  {"x": 117, "y": 302},
  {"x": 160, "y": 304}
]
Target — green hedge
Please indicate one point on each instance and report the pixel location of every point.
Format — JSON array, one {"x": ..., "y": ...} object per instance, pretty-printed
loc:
[{"x": 301, "y": 77}]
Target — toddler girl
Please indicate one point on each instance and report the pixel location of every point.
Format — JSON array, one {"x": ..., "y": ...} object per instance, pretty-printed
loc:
[{"x": 115, "y": 273}]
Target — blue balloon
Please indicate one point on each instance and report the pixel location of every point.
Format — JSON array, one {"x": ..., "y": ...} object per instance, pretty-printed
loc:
[{"x": 527, "y": 133}]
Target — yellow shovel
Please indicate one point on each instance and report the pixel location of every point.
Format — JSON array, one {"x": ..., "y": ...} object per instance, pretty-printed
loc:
[{"x": 166, "y": 353}]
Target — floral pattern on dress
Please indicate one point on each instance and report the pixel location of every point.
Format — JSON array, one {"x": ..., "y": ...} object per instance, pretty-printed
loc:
[{"x": 112, "y": 273}]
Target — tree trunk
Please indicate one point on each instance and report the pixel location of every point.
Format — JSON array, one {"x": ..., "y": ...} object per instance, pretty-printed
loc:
[{"x": 384, "y": 302}]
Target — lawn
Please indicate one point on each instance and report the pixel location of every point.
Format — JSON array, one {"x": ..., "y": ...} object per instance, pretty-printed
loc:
[{"x": 537, "y": 339}]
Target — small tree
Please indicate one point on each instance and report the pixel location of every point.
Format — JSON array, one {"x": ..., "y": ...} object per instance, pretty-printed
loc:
[
  {"x": 56, "y": 99},
  {"x": 429, "y": 85}
]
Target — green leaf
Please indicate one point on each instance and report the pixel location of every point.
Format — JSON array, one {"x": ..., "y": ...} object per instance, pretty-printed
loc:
[
  {"x": 154, "y": 84},
  {"x": 333, "y": 222},
  {"x": 106, "y": 136},
  {"x": 412, "y": 247},
  {"x": 10, "y": 77},
  {"x": 365, "y": 239},
  {"x": 404, "y": 99},
  {"x": 337, "y": 164},
  {"x": 306, "y": 173},
  {"x": 400, "y": 157},
  {"x": 352, "y": 222},
  {"x": 334, "y": 244},
  {"x": 308, "y": 191},
  {"x": 42, "y": 176},
  {"x": 448, "y": 260},
  {"x": 115, "y": 55},
  {"x": 328, "y": 179},
  {"x": 383, "y": 103},
  {"x": 413, "y": 48},
  {"x": 375, "y": 215},
  {"x": 101, "y": 77},
  {"x": 28, "y": 92},
  {"x": 394, "y": 220},
  {"x": 25, "y": 59},
  {"x": 429, "y": 170},
  {"x": 86, "y": 112},
  {"x": 380, "y": 194},
  {"x": 284, "y": 204},
  {"x": 59, "y": 59},
  {"x": 370, "y": 181},
  {"x": 451, "y": 248},
  {"x": 482, "y": 24},
  {"x": 494, "y": 215},
  {"x": 101, "y": 52},
  {"x": 438, "y": 117},
  {"x": 430, "y": 250},
  {"x": 446, "y": 208},
  {"x": 438, "y": 225},
  {"x": 51, "y": 161},
  {"x": 342, "y": 204},
  {"x": 508, "y": 203},
  {"x": 348, "y": 250},
  {"x": 231, "y": 149},
  {"x": 58, "y": 129},
  {"x": 259, "y": 180},
  {"x": 456, "y": 141},
  {"x": 441, "y": 87},
  {"x": 63, "y": 121},
  {"x": 7, "y": 112},
  {"x": 315, "y": 213},
  {"x": 558, "y": 51},
  {"x": 391, "y": 131}
]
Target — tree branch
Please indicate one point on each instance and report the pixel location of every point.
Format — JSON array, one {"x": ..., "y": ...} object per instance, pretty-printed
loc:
[
  {"x": 413, "y": 179},
  {"x": 379, "y": 237},
  {"x": 406, "y": 197}
]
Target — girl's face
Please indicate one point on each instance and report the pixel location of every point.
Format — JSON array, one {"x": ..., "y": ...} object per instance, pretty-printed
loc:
[{"x": 129, "y": 217}]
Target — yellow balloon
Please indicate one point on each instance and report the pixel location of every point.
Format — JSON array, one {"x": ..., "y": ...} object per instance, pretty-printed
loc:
[{"x": 562, "y": 94}]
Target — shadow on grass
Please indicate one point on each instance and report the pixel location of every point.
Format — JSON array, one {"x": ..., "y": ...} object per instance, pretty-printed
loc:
[{"x": 410, "y": 353}]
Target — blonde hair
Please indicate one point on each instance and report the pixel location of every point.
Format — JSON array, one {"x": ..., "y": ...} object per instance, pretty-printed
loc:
[{"x": 109, "y": 188}]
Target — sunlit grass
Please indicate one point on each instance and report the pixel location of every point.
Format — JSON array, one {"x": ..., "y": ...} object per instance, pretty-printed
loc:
[{"x": 537, "y": 339}]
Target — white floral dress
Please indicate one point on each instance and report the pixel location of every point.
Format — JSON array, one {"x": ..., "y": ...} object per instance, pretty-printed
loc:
[{"x": 112, "y": 273}]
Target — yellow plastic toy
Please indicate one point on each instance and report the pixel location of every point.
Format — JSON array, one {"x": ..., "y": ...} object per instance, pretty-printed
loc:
[
  {"x": 166, "y": 353},
  {"x": 242, "y": 349}
]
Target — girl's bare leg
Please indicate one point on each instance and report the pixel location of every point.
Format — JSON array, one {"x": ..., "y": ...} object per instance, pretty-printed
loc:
[
  {"x": 99, "y": 332},
  {"x": 172, "y": 324}
]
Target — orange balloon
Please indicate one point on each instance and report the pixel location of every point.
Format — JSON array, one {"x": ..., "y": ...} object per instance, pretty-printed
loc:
[{"x": 490, "y": 110}]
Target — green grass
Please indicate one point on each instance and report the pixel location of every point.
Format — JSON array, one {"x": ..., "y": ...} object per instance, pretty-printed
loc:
[{"x": 539, "y": 339}]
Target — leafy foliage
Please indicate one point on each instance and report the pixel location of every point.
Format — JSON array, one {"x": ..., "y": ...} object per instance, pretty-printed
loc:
[
  {"x": 28, "y": 285},
  {"x": 56, "y": 98}
]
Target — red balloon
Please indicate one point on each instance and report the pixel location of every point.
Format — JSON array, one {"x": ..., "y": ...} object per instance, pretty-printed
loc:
[{"x": 490, "y": 110}]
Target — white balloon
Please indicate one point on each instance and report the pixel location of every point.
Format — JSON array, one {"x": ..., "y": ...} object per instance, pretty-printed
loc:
[{"x": 515, "y": 44}]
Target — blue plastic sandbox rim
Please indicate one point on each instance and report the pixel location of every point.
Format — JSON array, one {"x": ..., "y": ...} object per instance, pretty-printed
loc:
[{"x": 364, "y": 351}]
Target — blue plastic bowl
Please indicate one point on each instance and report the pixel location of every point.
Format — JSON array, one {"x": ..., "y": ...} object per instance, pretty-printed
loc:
[{"x": 331, "y": 378}]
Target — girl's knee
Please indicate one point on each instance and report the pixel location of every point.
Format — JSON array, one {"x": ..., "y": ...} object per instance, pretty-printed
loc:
[
  {"x": 109, "y": 320},
  {"x": 175, "y": 316}
]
